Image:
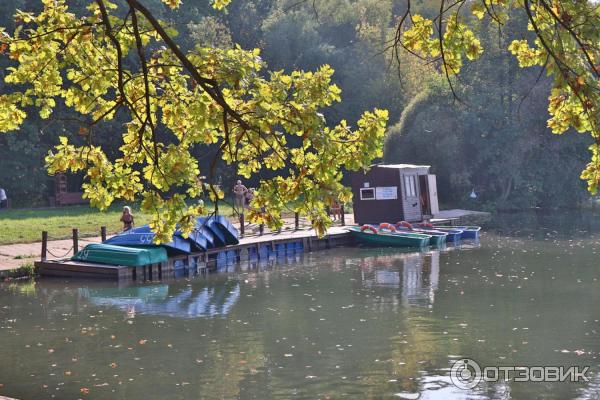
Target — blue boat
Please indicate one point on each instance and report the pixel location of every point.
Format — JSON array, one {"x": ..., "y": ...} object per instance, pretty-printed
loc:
[
  {"x": 468, "y": 232},
  {"x": 202, "y": 238},
  {"x": 223, "y": 230},
  {"x": 452, "y": 235},
  {"x": 143, "y": 236}
]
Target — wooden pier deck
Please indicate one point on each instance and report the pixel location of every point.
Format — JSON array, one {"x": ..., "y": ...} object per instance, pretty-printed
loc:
[{"x": 251, "y": 247}]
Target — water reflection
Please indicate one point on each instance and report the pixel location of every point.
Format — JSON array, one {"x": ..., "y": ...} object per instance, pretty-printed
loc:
[
  {"x": 416, "y": 275},
  {"x": 344, "y": 323},
  {"x": 188, "y": 302}
]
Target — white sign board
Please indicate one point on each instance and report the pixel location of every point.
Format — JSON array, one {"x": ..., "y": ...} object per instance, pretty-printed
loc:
[{"x": 386, "y": 192}]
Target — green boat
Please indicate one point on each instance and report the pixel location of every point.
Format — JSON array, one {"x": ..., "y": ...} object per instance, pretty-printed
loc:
[
  {"x": 389, "y": 239},
  {"x": 120, "y": 255}
]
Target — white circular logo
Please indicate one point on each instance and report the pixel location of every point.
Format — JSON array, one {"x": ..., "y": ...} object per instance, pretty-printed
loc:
[{"x": 465, "y": 374}]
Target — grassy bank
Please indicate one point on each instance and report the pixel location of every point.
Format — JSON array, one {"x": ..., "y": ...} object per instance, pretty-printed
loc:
[{"x": 26, "y": 225}]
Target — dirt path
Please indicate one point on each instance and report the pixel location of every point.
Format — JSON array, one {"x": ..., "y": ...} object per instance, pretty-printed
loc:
[{"x": 15, "y": 255}]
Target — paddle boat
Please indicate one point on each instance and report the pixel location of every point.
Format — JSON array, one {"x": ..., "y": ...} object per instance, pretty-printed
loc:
[
  {"x": 143, "y": 236},
  {"x": 119, "y": 255},
  {"x": 222, "y": 229},
  {"x": 469, "y": 232},
  {"x": 368, "y": 234},
  {"x": 437, "y": 237},
  {"x": 452, "y": 235}
]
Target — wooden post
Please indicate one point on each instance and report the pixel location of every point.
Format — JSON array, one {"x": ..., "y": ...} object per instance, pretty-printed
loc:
[
  {"x": 44, "y": 245},
  {"x": 75, "y": 240},
  {"x": 296, "y": 221},
  {"x": 242, "y": 224},
  {"x": 103, "y": 233},
  {"x": 343, "y": 216},
  {"x": 261, "y": 229}
]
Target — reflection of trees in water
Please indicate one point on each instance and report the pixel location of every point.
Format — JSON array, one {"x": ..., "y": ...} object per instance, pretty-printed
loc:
[{"x": 546, "y": 224}]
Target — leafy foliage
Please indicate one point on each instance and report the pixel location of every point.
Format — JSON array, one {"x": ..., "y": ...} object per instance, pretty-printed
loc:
[
  {"x": 174, "y": 102},
  {"x": 565, "y": 44}
]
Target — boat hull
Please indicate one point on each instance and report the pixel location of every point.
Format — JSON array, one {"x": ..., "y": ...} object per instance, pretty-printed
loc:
[
  {"x": 143, "y": 237},
  {"x": 390, "y": 239},
  {"x": 437, "y": 237},
  {"x": 468, "y": 232},
  {"x": 222, "y": 229},
  {"x": 120, "y": 255}
]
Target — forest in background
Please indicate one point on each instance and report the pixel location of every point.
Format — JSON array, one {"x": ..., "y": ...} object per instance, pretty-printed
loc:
[{"x": 492, "y": 139}]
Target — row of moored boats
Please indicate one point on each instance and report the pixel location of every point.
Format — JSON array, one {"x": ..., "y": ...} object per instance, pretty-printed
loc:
[{"x": 404, "y": 234}]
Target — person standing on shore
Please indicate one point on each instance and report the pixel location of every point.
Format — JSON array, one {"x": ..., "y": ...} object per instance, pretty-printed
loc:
[
  {"x": 3, "y": 199},
  {"x": 239, "y": 197},
  {"x": 127, "y": 218}
]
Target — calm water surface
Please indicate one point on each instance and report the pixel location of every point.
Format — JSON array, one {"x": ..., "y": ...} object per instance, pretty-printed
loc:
[{"x": 342, "y": 323}]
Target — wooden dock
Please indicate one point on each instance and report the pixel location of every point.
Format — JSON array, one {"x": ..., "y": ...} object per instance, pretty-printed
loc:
[
  {"x": 249, "y": 248},
  {"x": 254, "y": 247}
]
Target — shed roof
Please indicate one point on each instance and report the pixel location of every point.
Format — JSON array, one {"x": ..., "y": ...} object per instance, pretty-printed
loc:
[{"x": 401, "y": 166}]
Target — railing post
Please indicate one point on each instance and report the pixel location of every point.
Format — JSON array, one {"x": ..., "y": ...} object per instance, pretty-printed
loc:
[
  {"x": 44, "y": 245},
  {"x": 296, "y": 221},
  {"x": 261, "y": 229},
  {"x": 103, "y": 233},
  {"x": 75, "y": 241},
  {"x": 343, "y": 216},
  {"x": 242, "y": 222}
]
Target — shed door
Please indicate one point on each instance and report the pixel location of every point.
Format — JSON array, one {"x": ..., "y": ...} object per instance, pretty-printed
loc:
[
  {"x": 433, "y": 197},
  {"x": 411, "y": 200}
]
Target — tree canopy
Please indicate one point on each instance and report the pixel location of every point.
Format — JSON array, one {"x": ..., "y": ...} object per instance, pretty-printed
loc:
[
  {"x": 174, "y": 101},
  {"x": 186, "y": 105}
]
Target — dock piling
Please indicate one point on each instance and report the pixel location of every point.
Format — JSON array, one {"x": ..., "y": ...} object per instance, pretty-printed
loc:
[
  {"x": 242, "y": 222},
  {"x": 103, "y": 233},
  {"x": 296, "y": 221},
  {"x": 44, "y": 245},
  {"x": 75, "y": 241}
]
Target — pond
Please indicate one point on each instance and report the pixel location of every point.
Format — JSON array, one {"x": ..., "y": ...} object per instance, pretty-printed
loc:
[{"x": 341, "y": 323}]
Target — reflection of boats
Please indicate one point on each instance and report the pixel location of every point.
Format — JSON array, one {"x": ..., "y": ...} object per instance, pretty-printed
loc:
[
  {"x": 119, "y": 255},
  {"x": 190, "y": 302},
  {"x": 395, "y": 239}
]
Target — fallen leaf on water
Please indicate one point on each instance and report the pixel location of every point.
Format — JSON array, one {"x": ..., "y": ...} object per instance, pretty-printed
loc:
[
  {"x": 142, "y": 341},
  {"x": 50, "y": 351},
  {"x": 68, "y": 373},
  {"x": 84, "y": 390},
  {"x": 113, "y": 365}
]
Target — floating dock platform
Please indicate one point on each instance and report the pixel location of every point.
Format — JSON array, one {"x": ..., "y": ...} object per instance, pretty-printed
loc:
[{"x": 250, "y": 248}]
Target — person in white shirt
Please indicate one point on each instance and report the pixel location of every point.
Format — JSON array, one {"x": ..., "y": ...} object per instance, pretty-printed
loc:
[{"x": 3, "y": 199}]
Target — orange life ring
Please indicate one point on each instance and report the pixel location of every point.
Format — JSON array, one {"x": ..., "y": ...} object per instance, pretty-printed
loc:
[
  {"x": 426, "y": 225},
  {"x": 385, "y": 225},
  {"x": 368, "y": 227},
  {"x": 405, "y": 224}
]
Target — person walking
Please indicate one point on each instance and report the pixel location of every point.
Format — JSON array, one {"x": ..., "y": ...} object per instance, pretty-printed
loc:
[
  {"x": 239, "y": 197},
  {"x": 3, "y": 199}
]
